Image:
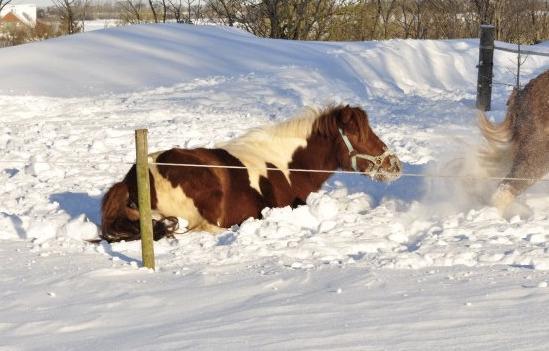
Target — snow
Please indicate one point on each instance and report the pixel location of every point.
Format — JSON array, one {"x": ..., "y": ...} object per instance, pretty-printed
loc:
[
  {"x": 421, "y": 263},
  {"x": 98, "y": 24}
]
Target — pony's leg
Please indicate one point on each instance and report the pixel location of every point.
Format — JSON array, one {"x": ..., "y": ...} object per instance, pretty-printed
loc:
[
  {"x": 529, "y": 165},
  {"x": 503, "y": 198}
]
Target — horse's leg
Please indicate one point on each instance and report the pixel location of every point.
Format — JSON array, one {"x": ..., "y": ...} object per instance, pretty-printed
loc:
[{"x": 529, "y": 164}]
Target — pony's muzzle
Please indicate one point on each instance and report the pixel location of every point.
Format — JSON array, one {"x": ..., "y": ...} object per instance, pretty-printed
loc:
[
  {"x": 388, "y": 169},
  {"x": 395, "y": 167}
]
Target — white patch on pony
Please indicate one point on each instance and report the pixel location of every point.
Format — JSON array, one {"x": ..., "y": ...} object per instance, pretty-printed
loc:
[
  {"x": 275, "y": 144},
  {"x": 173, "y": 201}
]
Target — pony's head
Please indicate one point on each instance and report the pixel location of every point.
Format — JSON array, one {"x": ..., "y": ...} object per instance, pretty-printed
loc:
[
  {"x": 360, "y": 149},
  {"x": 120, "y": 213}
]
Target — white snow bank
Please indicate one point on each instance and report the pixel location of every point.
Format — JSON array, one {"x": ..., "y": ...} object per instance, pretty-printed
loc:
[{"x": 141, "y": 57}]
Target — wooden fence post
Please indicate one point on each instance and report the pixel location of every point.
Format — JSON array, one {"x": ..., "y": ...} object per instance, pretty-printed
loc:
[
  {"x": 144, "y": 198},
  {"x": 485, "y": 65}
]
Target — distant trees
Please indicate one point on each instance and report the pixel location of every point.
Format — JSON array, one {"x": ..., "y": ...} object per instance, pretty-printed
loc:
[
  {"x": 227, "y": 12},
  {"x": 68, "y": 12},
  {"x": 161, "y": 11},
  {"x": 354, "y": 19},
  {"x": 519, "y": 21},
  {"x": 441, "y": 19},
  {"x": 132, "y": 11},
  {"x": 383, "y": 19},
  {"x": 280, "y": 19}
]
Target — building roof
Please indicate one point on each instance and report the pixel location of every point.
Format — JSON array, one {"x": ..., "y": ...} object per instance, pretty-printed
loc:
[{"x": 25, "y": 14}]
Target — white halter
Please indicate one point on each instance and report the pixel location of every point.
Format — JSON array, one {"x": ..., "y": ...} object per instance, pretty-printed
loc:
[{"x": 376, "y": 161}]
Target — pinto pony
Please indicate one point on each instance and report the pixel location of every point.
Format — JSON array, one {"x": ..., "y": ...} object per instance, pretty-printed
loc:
[
  {"x": 520, "y": 144},
  {"x": 266, "y": 174}
]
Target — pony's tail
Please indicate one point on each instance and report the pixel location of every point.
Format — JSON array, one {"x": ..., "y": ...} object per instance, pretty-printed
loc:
[{"x": 495, "y": 153}]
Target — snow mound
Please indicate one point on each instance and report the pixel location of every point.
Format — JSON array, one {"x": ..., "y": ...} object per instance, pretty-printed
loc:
[{"x": 143, "y": 57}]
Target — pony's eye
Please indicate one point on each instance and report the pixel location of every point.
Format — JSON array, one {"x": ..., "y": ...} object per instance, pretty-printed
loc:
[{"x": 132, "y": 205}]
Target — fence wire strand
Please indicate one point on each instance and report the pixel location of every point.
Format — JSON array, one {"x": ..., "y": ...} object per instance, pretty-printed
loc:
[{"x": 403, "y": 174}]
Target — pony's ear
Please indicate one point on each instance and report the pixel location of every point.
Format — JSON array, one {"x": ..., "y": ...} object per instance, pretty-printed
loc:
[{"x": 346, "y": 115}]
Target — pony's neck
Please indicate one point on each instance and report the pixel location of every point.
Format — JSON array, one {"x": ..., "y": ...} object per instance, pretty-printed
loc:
[
  {"x": 305, "y": 142},
  {"x": 319, "y": 154}
]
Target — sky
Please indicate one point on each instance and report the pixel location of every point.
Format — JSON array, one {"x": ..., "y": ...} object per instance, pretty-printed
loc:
[{"x": 35, "y": 2}]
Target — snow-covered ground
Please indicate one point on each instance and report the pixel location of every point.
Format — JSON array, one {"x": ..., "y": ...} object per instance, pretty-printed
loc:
[
  {"x": 419, "y": 264},
  {"x": 100, "y": 24}
]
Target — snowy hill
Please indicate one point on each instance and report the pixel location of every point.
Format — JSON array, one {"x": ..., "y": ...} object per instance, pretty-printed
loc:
[
  {"x": 356, "y": 267},
  {"x": 138, "y": 58}
]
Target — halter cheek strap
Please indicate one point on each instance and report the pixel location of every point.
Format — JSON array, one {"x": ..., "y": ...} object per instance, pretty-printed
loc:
[{"x": 376, "y": 161}]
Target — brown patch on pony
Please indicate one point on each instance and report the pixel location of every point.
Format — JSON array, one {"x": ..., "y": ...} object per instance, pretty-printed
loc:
[
  {"x": 199, "y": 184},
  {"x": 213, "y": 190},
  {"x": 275, "y": 188}
]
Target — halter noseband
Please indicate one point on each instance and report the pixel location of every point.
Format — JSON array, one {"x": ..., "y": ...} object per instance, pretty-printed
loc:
[{"x": 376, "y": 161}]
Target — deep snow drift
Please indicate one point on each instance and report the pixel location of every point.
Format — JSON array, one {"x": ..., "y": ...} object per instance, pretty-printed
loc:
[{"x": 69, "y": 109}]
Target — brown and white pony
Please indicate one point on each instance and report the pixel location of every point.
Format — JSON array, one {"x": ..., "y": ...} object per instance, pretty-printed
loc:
[
  {"x": 520, "y": 144},
  {"x": 214, "y": 198}
]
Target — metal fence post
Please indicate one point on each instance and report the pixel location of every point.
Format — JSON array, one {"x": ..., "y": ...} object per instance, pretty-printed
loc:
[
  {"x": 485, "y": 65},
  {"x": 144, "y": 198}
]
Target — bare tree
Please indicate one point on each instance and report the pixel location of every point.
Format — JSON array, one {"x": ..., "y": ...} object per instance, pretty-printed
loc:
[
  {"x": 132, "y": 11},
  {"x": 317, "y": 25},
  {"x": 193, "y": 11},
  {"x": 83, "y": 7},
  {"x": 522, "y": 21},
  {"x": 279, "y": 19},
  {"x": 290, "y": 19},
  {"x": 176, "y": 10},
  {"x": 387, "y": 9},
  {"x": 483, "y": 10},
  {"x": 153, "y": 11},
  {"x": 4, "y": 3},
  {"x": 164, "y": 6},
  {"x": 67, "y": 13},
  {"x": 225, "y": 11}
]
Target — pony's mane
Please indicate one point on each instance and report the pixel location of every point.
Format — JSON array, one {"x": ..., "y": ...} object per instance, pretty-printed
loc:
[
  {"x": 276, "y": 143},
  {"x": 309, "y": 121}
]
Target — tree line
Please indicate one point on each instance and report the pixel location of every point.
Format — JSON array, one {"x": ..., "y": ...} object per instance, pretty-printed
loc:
[
  {"x": 524, "y": 21},
  {"x": 518, "y": 21}
]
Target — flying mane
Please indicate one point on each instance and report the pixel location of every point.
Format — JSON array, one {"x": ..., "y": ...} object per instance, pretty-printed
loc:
[{"x": 276, "y": 143}]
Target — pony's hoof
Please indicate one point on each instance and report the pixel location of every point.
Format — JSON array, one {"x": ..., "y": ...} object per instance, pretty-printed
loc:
[
  {"x": 518, "y": 209},
  {"x": 502, "y": 199}
]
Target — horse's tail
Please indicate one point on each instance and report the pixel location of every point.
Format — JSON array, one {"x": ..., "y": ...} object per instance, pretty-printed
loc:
[
  {"x": 495, "y": 154},
  {"x": 497, "y": 134}
]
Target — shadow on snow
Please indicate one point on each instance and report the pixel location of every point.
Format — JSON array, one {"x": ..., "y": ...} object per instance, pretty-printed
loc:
[{"x": 76, "y": 204}]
